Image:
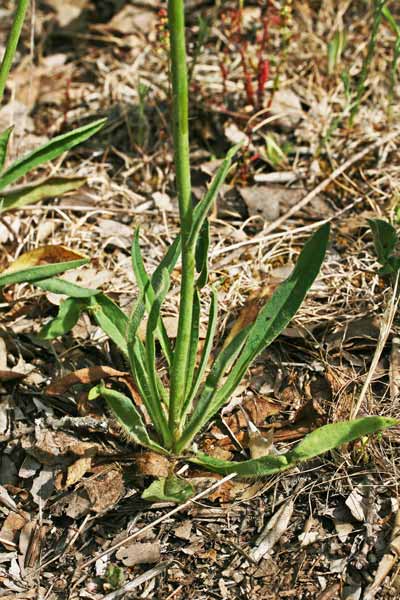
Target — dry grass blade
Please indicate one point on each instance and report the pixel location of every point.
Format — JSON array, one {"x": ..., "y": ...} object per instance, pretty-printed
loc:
[{"x": 387, "y": 322}]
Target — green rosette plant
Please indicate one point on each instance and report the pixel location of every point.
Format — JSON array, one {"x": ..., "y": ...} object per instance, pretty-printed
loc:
[{"x": 181, "y": 404}]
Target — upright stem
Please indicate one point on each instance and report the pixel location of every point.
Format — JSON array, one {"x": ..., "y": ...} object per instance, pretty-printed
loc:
[
  {"x": 176, "y": 21},
  {"x": 12, "y": 43}
]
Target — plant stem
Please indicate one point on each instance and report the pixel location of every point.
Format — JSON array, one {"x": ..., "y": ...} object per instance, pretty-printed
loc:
[
  {"x": 378, "y": 8},
  {"x": 180, "y": 102},
  {"x": 12, "y": 43}
]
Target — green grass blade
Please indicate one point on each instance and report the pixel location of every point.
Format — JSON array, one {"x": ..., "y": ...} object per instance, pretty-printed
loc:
[
  {"x": 62, "y": 286},
  {"x": 204, "y": 206},
  {"x": 127, "y": 416},
  {"x": 68, "y": 315},
  {"x": 111, "y": 319},
  {"x": 318, "y": 442},
  {"x": 49, "y": 151},
  {"x": 56, "y": 186},
  {"x": 4, "y": 139}
]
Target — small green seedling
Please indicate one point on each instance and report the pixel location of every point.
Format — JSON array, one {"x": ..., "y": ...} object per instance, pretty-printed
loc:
[
  {"x": 55, "y": 186},
  {"x": 385, "y": 241},
  {"x": 180, "y": 403}
]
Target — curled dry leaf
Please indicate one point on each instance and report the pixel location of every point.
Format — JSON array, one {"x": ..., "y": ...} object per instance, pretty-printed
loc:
[
  {"x": 87, "y": 375},
  {"x": 77, "y": 470},
  {"x": 46, "y": 255}
]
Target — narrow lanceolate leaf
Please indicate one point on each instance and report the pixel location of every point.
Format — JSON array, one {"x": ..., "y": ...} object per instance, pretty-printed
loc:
[
  {"x": 276, "y": 315},
  {"x": 205, "y": 354},
  {"x": 41, "y": 263},
  {"x": 202, "y": 249},
  {"x": 204, "y": 206},
  {"x": 318, "y": 442},
  {"x": 153, "y": 320},
  {"x": 201, "y": 413},
  {"x": 270, "y": 322},
  {"x": 62, "y": 286},
  {"x": 4, "y": 139},
  {"x": 111, "y": 319},
  {"x": 51, "y": 188},
  {"x": 149, "y": 288},
  {"x": 127, "y": 416},
  {"x": 194, "y": 342},
  {"x": 137, "y": 356},
  {"x": 68, "y": 315},
  {"x": 49, "y": 151}
]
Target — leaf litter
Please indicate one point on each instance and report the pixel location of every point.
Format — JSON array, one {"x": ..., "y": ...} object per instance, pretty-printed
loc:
[{"x": 70, "y": 487}]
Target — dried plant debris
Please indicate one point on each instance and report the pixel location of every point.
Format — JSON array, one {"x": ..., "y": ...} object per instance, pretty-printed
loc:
[{"x": 281, "y": 79}]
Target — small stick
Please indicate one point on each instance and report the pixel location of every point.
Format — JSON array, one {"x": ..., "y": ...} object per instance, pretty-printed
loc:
[{"x": 159, "y": 520}]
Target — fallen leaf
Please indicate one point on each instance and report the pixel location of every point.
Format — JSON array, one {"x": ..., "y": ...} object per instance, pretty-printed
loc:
[
  {"x": 77, "y": 470},
  {"x": 46, "y": 255},
  {"x": 105, "y": 490},
  {"x": 139, "y": 553},
  {"x": 87, "y": 375},
  {"x": 273, "y": 531},
  {"x": 152, "y": 464},
  {"x": 12, "y": 524}
]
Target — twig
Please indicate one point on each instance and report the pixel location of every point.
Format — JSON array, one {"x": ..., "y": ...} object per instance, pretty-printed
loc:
[
  {"x": 131, "y": 585},
  {"x": 159, "y": 520},
  {"x": 387, "y": 322}
]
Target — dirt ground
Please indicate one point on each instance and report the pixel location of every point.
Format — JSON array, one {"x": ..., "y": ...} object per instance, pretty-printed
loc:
[{"x": 70, "y": 484}]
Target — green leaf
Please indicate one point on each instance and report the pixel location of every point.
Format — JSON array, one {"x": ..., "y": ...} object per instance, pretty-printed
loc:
[
  {"x": 391, "y": 20},
  {"x": 153, "y": 320},
  {"x": 149, "y": 288},
  {"x": 128, "y": 417},
  {"x": 41, "y": 263},
  {"x": 68, "y": 316},
  {"x": 205, "y": 354},
  {"x": 4, "y": 139},
  {"x": 276, "y": 315},
  {"x": 49, "y": 151},
  {"x": 202, "y": 209},
  {"x": 62, "y": 286},
  {"x": 111, "y": 319},
  {"x": 385, "y": 239},
  {"x": 137, "y": 357},
  {"x": 194, "y": 342},
  {"x": 170, "y": 489},
  {"x": 56, "y": 186},
  {"x": 201, "y": 413},
  {"x": 271, "y": 321},
  {"x": 318, "y": 442},
  {"x": 202, "y": 249}
]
